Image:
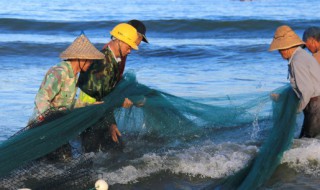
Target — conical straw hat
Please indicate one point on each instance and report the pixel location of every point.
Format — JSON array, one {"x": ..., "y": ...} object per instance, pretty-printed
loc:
[
  {"x": 81, "y": 48},
  {"x": 285, "y": 38}
]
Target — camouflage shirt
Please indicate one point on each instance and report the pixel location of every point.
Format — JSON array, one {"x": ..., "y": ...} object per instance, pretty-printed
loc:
[
  {"x": 102, "y": 76},
  {"x": 58, "y": 88}
]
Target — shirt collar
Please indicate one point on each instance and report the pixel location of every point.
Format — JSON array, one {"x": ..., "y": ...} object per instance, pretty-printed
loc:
[
  {"x": 298, "y": 49},
  {"x": 118, "y": 59}
]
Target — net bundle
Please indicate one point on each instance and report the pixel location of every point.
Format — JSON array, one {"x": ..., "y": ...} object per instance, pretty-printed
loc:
[{"x": 157, "y": 114}]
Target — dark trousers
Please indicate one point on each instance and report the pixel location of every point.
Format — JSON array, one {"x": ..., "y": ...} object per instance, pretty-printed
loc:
[
  {"x": 97, "y": 138},
  {"x": 62, "y": 153},
  {"x": 311, "y": 122}
]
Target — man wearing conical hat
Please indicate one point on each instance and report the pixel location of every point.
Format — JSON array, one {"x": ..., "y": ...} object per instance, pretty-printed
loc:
[
  {"x": 141, "y": 29},
  {"x": 58, "y": 89},
  {"x": 103, "y": 76},
  {"x": 304, "y": 75}
]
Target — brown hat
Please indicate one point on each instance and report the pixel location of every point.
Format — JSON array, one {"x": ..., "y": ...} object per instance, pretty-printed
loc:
[
  {"x": 285, "y": 38},
  {"x": 81, "y": 48}
]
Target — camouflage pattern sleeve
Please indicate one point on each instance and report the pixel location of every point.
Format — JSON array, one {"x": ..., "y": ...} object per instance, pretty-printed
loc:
[{"x": 49, "y": 88}]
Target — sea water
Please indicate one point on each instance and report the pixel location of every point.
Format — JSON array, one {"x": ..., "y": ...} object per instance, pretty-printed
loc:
[{"x": 200, "y": 50}]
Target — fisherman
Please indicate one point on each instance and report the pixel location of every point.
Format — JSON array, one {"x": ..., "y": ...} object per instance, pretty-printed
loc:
[
  {"x": 304, "y": 75},
  {"x": 311, "y": 37},
  {"x": 141, "y": 29},
  {"x": 58, "y": 89},
  {"x": 124, "y": 37}
]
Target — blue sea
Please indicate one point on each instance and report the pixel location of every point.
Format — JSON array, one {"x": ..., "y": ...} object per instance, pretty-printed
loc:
[{"x": 199, "y": 50}]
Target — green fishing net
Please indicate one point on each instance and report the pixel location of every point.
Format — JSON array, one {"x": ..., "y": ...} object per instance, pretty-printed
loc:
[
  {"x": 156, "y": 115},
  {"x": 260, "y": 169}
]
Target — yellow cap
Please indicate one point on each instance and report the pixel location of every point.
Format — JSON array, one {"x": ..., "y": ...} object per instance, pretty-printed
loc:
[{"x": 126, "y": 33}]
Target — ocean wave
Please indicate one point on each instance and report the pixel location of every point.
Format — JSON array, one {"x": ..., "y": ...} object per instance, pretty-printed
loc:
[
  {"x": 158, "y": 41},
  {"x": 40, "y": 48},
  {"x": 28, "y": 25},
  {"x": 304, "y": 156},
  {"x": 51, "y": 45},
  {"x": 165, "y": 26},
  {"x": 210, "y": 160}
]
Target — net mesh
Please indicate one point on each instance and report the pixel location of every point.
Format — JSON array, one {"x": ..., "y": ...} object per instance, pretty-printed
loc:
[
  {"x": 260, "y": 169},
  {"x": 156, "y": 114}
]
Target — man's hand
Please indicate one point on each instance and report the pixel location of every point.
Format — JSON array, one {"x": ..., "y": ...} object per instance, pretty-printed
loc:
[
  {"x": 40, "y": 118},
  {"x": 114, "y": 132},
  {"x": 127, "y": 103},
  {"x": 98, "y": 102},
  {"x": 140, "y": 103},
  {"x": 274, "y": 96}
]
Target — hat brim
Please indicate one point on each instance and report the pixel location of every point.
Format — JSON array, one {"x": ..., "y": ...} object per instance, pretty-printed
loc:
[
  {"x": 278, "y": 46},
  {"x": 145, "y": 39}
]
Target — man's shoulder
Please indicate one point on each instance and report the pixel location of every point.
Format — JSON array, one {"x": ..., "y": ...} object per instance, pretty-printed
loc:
[
  {"x": 300, "y": 52},
  {"x": 303, "y": 60},
  {"x": 302, "y": 55},
  {"x": 57, "y": 71}
]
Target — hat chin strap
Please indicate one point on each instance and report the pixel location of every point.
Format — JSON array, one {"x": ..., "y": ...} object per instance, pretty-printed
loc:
[
  {"x": 81, "y": 68},
  {"x": 120, "y": 52}
]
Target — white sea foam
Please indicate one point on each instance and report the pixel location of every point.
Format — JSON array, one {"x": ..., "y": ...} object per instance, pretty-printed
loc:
[
  {"x": 162, "y": 42},
  {"x": 146, "y": 165},
  {"x": 304, "y": 156},
  {"x": 214, "y": 162},
  {"x": 209, "y": 160}
]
